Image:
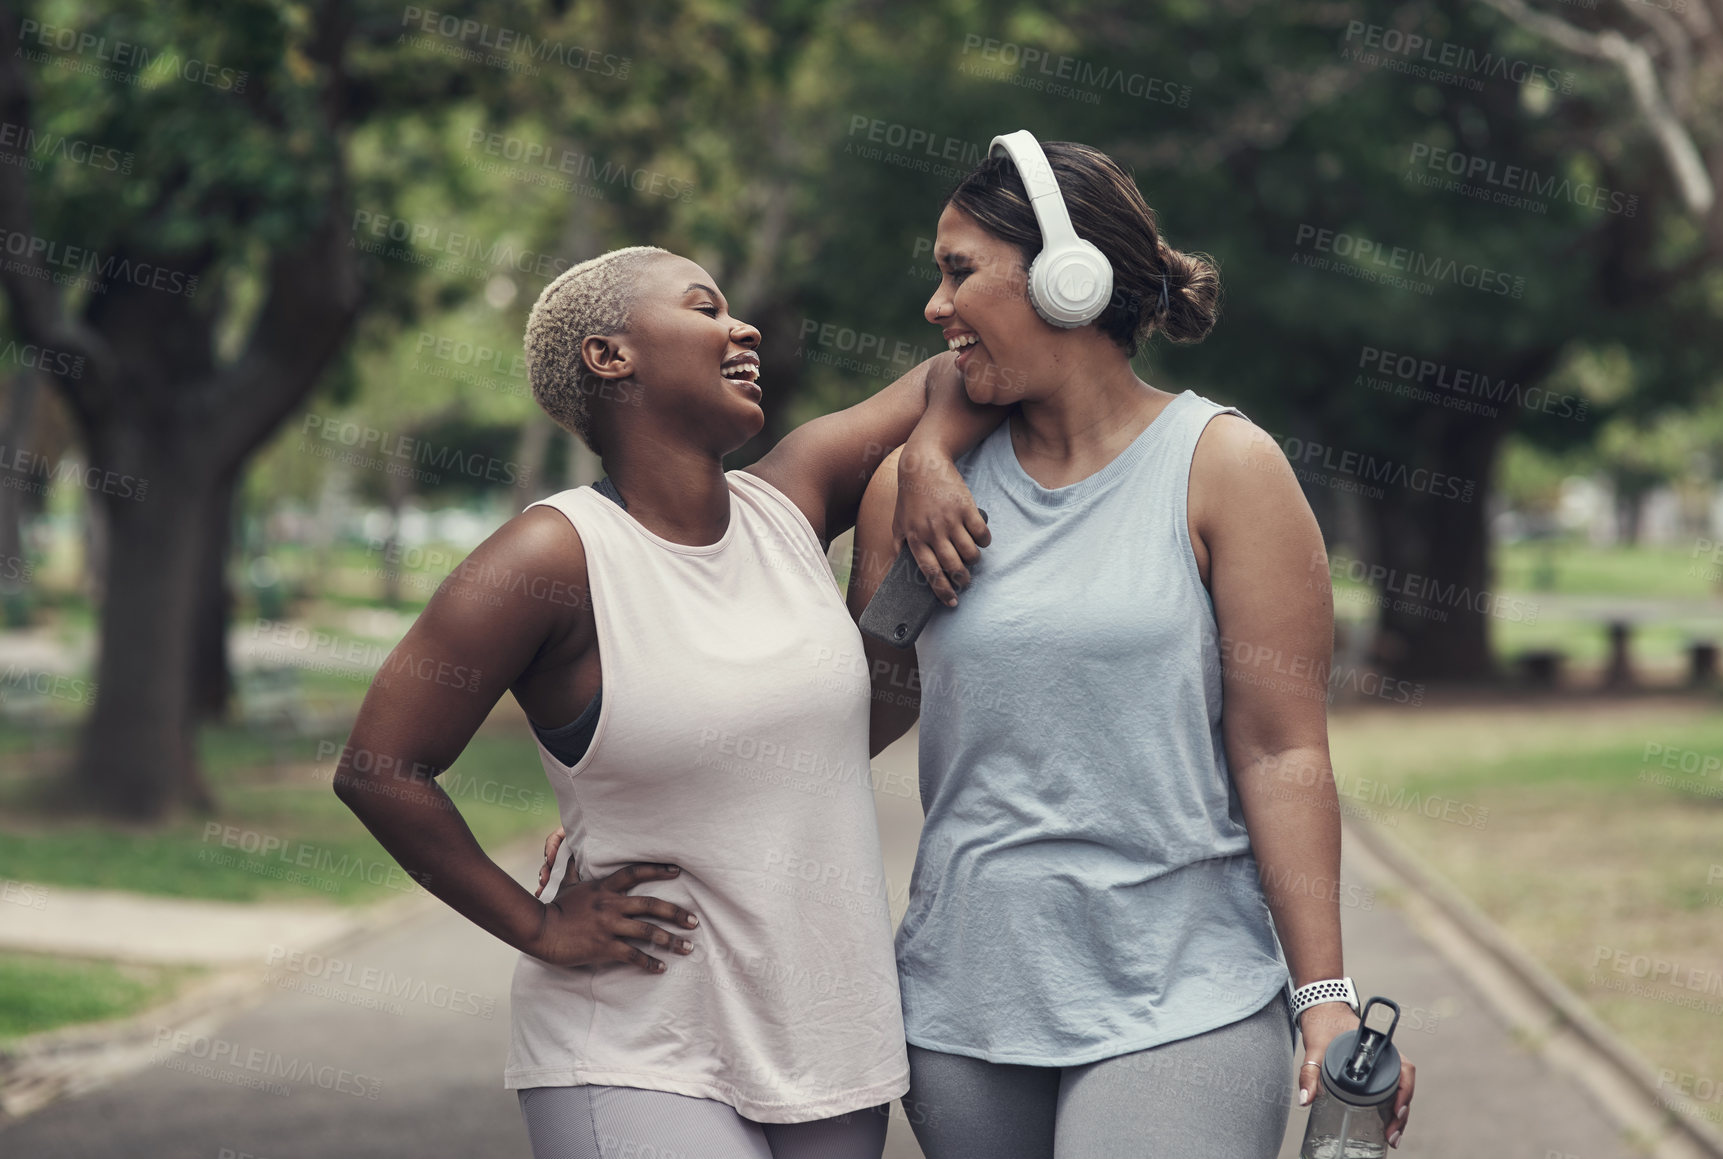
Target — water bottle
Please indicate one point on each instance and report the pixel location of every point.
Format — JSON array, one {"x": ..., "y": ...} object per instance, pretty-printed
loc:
[{"x": 1355, "y": 1095}]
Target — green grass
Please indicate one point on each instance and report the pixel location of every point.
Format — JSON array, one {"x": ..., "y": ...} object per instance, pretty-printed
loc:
[
  {"x": 41, "y": 992},
  {"x": 1660, "y": 644},
  {"x": 1685, "y": 572},
  {"x": 1579, "y": 845},
  {"x": 270, "y": 790},
  {"x": 1539, "y": 581},
  {"x": 281, "y": 834}
]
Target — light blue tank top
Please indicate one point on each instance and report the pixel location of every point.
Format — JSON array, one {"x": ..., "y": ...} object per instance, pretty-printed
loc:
[{"x": 1084, "y": 885}]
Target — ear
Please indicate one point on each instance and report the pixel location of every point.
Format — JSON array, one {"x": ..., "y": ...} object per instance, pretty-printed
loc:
[{"x": 605, "y": 357}]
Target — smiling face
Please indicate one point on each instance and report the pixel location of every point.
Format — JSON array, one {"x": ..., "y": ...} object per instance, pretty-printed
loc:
[
  {"x": 692, "y": 368},
  {"x": 982, "y": 309}
]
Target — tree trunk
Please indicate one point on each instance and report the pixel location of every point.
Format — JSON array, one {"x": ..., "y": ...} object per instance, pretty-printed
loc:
[
  {"x": 15, "y": 432},
  {"x": 1437, "y": 601},
  {"x": 137, "y": 758},
  {"x": 97, "y": 553},
  {"x": 1629, "y": 512},
  {"x": 212, "y": 680},
  {"x": 396, "y": 492}
]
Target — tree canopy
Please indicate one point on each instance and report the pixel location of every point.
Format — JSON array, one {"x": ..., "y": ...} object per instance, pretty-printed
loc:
[{"x": 1435, "y": 222}]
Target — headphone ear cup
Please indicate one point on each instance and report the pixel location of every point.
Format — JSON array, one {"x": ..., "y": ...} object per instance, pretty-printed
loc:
[{"x": 1071, "y": 285}]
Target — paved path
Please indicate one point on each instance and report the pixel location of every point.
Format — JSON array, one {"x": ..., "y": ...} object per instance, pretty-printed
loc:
[
  {"x": 436, "y": 1059},
  {"x": 129, "y": 927}
]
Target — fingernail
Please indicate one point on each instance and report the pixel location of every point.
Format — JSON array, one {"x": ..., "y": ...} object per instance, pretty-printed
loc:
[
  {"x": 1394, "y": 1139},
  {"x": 687, "y": 946},
  {"x": 672, "y": 869},
  {"x": 693, "y": 921},
  {"x": 1303, "y": 1097}
]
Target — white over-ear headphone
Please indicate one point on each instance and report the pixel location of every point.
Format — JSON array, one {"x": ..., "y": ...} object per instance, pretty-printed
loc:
[{"x": 1070, "y": 281}]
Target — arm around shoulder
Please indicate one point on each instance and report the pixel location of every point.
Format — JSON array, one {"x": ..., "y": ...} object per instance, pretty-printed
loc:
[{"x": 825, "y": 464}]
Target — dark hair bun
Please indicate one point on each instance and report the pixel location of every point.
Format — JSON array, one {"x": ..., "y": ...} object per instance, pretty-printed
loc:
[{"x": 1193, "y": 296}]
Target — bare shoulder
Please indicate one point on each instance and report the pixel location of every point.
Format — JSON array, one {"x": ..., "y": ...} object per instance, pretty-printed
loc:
[
  {"x": 1231, "y": 442},
  {"x": 540, "y": 539},
  {"x": 879, "y": 506},
  {"x": 528, "y": 575},
  {"x": 1238, "y": 467}
]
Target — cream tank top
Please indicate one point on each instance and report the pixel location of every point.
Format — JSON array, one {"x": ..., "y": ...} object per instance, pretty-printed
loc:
[{"x": 732, "y": 740}]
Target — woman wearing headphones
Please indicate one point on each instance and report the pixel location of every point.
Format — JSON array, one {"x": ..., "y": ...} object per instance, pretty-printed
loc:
[{"x": 1132, "y": 846}]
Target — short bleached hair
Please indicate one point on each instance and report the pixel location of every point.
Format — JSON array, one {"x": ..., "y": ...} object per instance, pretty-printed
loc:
[{"x": 592, "y": 298}]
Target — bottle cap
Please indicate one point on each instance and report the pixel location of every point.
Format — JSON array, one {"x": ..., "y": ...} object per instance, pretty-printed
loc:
[{"x": 1362, "y": 1066}]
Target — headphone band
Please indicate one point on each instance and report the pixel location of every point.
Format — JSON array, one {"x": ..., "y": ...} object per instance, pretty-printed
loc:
[
  {"x": 1070, "y": 280},
  {"x": 1040, "y": 184}
]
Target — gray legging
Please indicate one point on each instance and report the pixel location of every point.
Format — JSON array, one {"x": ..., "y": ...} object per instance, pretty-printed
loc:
[
  {"x": 630, "y": 1123},
  {"x": 1225, "y": 1094}
]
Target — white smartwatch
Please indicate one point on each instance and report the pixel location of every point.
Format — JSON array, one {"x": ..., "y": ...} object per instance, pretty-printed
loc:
[{"x": 1328, "y": 990}]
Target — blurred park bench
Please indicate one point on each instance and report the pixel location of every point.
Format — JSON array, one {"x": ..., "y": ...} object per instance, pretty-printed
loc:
[{"x": 1543, "y": 667}]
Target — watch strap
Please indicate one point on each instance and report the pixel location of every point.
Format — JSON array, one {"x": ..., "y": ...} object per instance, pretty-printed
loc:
[{"x": 1327, "y": 990}]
